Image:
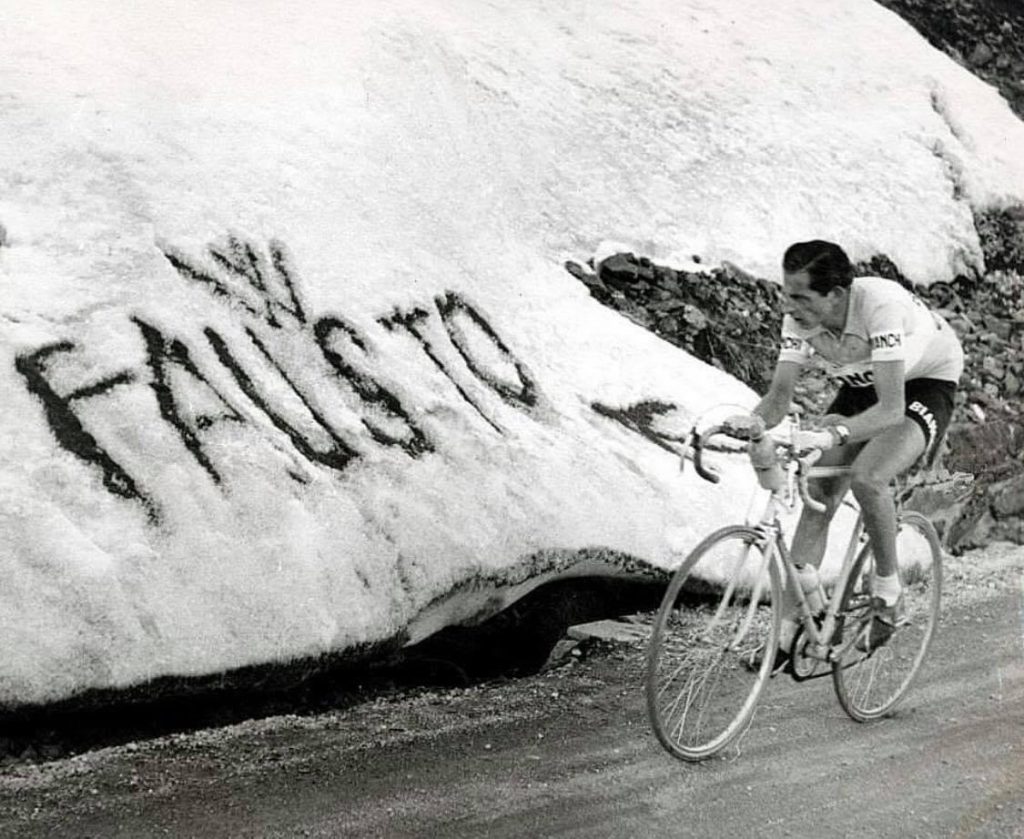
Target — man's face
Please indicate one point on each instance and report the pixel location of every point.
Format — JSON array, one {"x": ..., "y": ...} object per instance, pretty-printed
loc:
[{"x": 807, "y": 307}]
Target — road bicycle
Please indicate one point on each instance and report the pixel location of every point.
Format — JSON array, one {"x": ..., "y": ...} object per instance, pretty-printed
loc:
[{"x": 712, "y": 646}]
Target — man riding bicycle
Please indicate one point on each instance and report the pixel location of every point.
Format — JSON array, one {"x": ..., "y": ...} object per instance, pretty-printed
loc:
[{"x": 898, "y": 364}]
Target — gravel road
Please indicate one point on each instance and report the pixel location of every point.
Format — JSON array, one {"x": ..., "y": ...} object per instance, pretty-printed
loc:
[{"x": 569, "y": 753}]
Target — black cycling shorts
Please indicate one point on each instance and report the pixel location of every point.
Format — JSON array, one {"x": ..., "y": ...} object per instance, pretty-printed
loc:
[{"x": 929, "y": 403}]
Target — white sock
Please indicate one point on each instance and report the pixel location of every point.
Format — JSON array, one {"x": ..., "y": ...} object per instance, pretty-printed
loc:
[{"x": 888, "y": 588}]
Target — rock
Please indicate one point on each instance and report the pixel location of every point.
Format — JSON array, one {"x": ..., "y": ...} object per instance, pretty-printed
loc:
[
  {"x": 961, "y": 325},
  {"x": 619, "y": 270},
  {"x": 636, "y": 313},
  {"x": 978, "y": 395},
  {"x": 669, "y": 325},
  {"x": 982, "y": 533},
  {"x": 1001, "y": 329},
  {"x": 695, "y": 318},
  {"x": 560, "y": 654},
  {"x": 579, "y": 271},
  {"x": 733, "y": 271},
  {"x": 668, "y": 304},
  {"x": 993, "y": 367},
  {"x": 619, "y": 632},
  {"x": 981, "y": 55},
  {"x": 667, "y": 279},
  {"x": 1008, "y": 498}
]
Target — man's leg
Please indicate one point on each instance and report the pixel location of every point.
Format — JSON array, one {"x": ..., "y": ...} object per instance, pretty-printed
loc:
[
  {"x": 883, "y": 458},
  {"x": 811, "y": 535}
]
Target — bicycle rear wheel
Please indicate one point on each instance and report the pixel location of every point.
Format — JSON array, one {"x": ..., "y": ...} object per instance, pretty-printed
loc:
[
  {"x": 702, "y": 683},
  {"x": 870, "y": 686}
]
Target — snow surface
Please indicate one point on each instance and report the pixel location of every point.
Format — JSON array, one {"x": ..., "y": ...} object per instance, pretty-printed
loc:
[{"x": 189, "y": 479}]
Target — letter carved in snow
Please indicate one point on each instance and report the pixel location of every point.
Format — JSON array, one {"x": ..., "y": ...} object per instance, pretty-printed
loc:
[
  {"x": 336, "y": 455},
  {"x": 418, "y": 323},
  {"x": 67, "y": 427},
  {"x": 263, "y": 288},
  {"x": 330, "y": 333},
  {"x": 640, "y": 418},
  {"x": 164, "y": 355},
  {"x": 455, "y": 311}
]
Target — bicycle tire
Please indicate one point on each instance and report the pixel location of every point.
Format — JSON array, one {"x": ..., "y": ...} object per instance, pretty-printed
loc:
[
  {"x": 870, "y": 686},
  {"x": 702, "y": 688}
]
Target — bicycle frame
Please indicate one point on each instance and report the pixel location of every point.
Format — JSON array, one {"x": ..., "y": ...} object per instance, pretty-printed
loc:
[{"x": 773, "y": 544}]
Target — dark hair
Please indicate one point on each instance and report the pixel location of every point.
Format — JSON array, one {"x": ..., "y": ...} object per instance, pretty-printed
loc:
[{"x": 826, "y": 264}]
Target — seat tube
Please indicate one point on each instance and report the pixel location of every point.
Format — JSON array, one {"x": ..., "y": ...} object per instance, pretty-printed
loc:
[{"x": 790, "y": 579}]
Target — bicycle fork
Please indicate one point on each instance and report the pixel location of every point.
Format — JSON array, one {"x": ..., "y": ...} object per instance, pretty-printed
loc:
[{"x": 755, "y": 596}]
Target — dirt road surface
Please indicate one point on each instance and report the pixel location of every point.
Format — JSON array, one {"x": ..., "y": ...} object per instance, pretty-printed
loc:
[{"x": 569, "y": 753}]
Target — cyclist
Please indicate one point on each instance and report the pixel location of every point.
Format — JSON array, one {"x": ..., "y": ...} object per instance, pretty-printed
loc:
[{"x": 898, "y": 364}]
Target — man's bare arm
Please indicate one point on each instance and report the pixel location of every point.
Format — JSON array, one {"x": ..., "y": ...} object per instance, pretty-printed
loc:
[{"x": 775, "y": 404}]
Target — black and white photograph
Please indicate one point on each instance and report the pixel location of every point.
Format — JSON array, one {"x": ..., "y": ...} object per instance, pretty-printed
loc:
[{"x": 471, "y": 418}]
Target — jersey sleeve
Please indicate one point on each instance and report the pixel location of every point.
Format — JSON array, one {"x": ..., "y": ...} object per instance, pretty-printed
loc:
[
  {"x": 793, "y": 346},
  {"x": 887, "y": 332}
]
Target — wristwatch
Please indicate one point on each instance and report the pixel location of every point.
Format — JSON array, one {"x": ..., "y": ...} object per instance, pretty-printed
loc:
[{"x": 842, "y": 434}]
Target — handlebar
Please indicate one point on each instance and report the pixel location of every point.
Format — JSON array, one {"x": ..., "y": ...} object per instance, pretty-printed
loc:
[
  {"x": 697, "y": 444},
  {"x": 790, "y": 458}
]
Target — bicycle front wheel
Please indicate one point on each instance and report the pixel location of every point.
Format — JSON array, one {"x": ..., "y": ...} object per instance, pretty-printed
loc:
[
  {"x": 712, "y": 644},
  {"x": 870, "y": 686}
]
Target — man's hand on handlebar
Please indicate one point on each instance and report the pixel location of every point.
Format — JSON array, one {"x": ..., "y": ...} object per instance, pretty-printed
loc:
[
  {"x": 806, "y": 439},
  {"x": 752, "y": 427},
  {"x": 744, "y": 426}
]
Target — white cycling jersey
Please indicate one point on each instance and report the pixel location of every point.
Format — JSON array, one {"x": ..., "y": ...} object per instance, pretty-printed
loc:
[{"x": 884, "y": 322}]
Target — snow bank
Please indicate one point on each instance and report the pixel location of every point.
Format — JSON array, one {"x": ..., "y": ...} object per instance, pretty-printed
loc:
[{"x": 289, "y": 360}]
